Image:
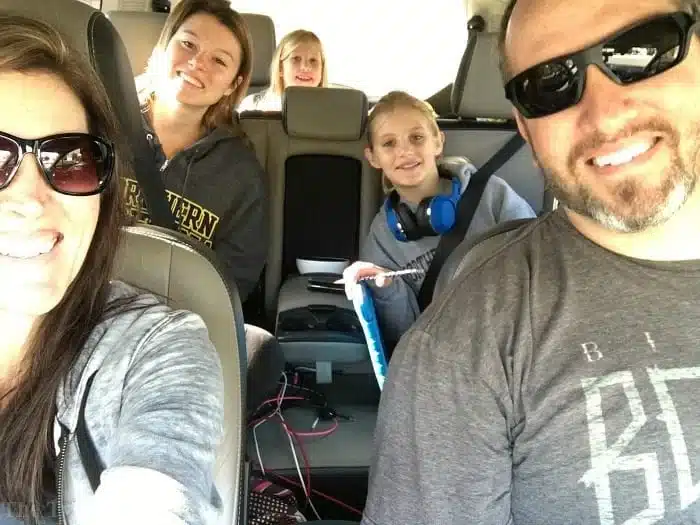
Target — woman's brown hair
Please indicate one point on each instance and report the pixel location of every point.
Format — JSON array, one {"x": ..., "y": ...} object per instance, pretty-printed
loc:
[
  {"x": 223, "y": 113},
  {"x": 286, "y": 47},
  {"x": 27, "y": 417}
]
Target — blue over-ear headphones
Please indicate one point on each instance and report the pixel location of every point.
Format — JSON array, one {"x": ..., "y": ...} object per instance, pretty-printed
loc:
[{"x": 434, "y": 215}]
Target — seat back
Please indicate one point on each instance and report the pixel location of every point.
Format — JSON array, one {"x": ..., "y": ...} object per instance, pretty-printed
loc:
[
  {"x": 140, "y": 31},
  {"x": 323, "y": 194},
  {"x": 155, "y": 259},
  {"x": 163, "y": 262},
  {"x": 486, "y": 122}
]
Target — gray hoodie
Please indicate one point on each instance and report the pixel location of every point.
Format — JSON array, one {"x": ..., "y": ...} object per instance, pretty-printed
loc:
[
  {"x": 155, "y": 414},
  {"x": 397, "y": 304},
  {"x": 216, "y": 190}
]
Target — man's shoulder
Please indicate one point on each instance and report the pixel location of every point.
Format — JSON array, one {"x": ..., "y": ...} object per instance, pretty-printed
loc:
[{"x": 495, "y": 267}]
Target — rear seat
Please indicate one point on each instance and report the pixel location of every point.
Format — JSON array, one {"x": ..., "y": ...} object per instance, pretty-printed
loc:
[
  {"x": 323, "y": 193},
  {"x": 140, "y": 31},
  {"x": 485, "y": 121}
]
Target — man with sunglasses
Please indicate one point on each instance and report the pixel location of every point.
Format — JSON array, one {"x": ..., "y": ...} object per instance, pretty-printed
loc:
[{"x": 556, "y": 381}]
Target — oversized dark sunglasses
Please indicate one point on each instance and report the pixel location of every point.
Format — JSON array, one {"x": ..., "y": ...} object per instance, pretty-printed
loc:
[
  {"x": 72, "y": 163},
  {"x": 633, "y": 54}
]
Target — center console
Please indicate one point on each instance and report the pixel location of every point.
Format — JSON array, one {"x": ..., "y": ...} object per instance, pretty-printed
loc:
[{"x": 317, "y": 325}]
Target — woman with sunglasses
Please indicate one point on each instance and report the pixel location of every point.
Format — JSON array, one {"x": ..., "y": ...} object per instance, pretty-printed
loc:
[{"x": 77, "y": 348}]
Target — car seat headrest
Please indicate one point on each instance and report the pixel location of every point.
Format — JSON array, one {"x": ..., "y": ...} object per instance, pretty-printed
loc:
[
  {"x": 139, "y": 31},
  {"x": 478, "y": 89},
  {"x": 324, "y": 113},
  {"x": 262, "y": 33}
]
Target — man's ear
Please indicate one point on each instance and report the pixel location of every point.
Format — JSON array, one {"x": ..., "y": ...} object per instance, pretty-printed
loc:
[
  {"x": 522, "y": 128},
  {"x": 369, "y": 155}
]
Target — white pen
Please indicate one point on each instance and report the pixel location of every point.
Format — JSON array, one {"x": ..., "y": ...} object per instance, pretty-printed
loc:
[{"x": 384, "y": 274}]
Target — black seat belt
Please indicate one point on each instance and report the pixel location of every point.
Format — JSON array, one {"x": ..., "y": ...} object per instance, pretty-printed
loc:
[
  {"x": 111, "y": 62},
  {"x": 466, "y": 207},
  {"x": 149, "y": 179}
]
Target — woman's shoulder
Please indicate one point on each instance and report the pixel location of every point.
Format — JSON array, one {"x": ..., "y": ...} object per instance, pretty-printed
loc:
[
  {"x": 139, "y": 329},
  {"x": 129, "y": 303},
  {"x": 136, "y": 321},
  {"x": 230, "y": 153}
]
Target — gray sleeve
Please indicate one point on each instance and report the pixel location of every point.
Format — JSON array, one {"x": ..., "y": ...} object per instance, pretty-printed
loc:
[
  {"x": 171, "y": 422},
  {"x": 513, "y": 206},
  {"x": 442, "y": 446},
  {"x": 242, "y": 239},
  {"x": 397, "y": 304}
]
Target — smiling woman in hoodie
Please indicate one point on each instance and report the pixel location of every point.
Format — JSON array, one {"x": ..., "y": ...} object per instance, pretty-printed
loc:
[{"x": 198, "y": 73}]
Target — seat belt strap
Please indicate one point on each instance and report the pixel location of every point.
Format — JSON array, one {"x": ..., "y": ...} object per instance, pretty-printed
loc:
[{"x": 466, "y": 208}]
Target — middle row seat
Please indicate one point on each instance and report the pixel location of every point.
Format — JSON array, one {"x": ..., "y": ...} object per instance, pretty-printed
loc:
[{"x": 323, "y": 193}]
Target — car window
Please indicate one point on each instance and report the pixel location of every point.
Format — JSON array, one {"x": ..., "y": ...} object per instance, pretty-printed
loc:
[
  {"x": 97, "y": 4},
  {"x": 121, "y": 5},
  {"x": 378, "y": 46}
]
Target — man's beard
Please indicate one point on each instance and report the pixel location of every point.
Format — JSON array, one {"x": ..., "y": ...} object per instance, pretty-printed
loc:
[{"x": 632, "y": 205}]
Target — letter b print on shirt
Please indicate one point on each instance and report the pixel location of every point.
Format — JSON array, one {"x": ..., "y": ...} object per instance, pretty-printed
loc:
[{"x": 669, "y": 486}]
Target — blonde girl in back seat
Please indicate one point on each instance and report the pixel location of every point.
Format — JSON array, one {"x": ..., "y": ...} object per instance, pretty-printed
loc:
[
  {"x": 299, "y": 60},
  {"x": 405, "y": 143}
]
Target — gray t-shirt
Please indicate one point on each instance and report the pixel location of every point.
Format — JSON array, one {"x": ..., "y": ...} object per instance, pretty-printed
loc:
[{"x": 554, "y": 383}]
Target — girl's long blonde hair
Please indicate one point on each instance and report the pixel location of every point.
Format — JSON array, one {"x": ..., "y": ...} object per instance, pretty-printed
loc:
[{"x": 286, "y": 47}]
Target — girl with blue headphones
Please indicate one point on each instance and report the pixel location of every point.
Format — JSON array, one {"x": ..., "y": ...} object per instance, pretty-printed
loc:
[{"x": 423, "y": 189}]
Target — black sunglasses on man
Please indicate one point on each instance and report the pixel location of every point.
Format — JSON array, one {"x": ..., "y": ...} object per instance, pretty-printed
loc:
[{"x": 630, "y": 55}]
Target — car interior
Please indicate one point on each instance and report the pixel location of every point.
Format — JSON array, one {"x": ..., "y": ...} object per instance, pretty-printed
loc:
[{"x": 323, "y": 196}]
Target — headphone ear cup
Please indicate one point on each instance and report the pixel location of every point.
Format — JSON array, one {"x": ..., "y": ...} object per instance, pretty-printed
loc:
[
  {"x": 392, "y": 221},
  {"x": 423, "y": 217},
  {"x": 408, "y": 222},
  {"x": 443, "y": 214}
]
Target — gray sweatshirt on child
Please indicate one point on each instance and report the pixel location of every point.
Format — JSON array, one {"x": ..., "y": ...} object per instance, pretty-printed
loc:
[{"x": 397, "y": 304}]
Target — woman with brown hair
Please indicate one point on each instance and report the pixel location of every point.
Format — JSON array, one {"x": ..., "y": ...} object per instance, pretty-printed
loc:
[
  {"x": 198, "y": 73},
  {"x": 79, "y": 350}
]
